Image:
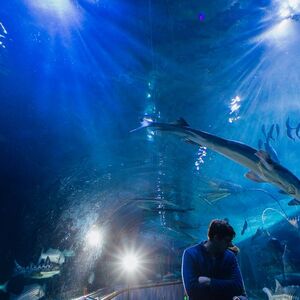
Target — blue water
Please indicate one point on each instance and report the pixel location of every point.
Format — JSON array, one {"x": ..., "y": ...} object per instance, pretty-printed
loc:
[{"x": 77, "y": 76}]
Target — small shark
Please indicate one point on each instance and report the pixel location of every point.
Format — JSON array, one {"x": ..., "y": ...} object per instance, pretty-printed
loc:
[
  {"x": 290, "y": 292},
  {"x": 43, "y": 270},
  {"x": 262, "y": 167}
]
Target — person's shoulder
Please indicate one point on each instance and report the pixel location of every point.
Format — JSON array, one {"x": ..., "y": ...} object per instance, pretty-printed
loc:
[
  {"x": 193, "y": 249},
  {"x": 229, "y": 254}
]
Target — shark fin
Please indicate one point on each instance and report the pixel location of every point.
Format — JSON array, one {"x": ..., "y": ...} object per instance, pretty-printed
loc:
[
  {"x": 254, "y": 177},
  {"x": 17, "y": 266},
  {"x": 265, "y": 158},
  {"x": 294, "y": 202},
  {"x": 278, "y": 286},
  {"x": 191, "y": 142},
  {"x": 47, "y": 261},
  {"x": 181, "y": 122}
]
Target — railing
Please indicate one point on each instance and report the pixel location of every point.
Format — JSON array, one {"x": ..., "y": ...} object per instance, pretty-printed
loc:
[{"x": 160, "y": 290}]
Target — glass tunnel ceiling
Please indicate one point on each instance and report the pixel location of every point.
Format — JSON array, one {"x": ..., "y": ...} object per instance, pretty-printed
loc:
[{"x": 77, "y": 76}]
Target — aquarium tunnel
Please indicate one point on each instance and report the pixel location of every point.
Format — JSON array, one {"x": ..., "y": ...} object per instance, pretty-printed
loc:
[{"x": 127, "y": 126}]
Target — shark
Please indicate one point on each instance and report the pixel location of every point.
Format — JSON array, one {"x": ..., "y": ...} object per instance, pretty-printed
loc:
[
  {"x": 290, "y": 292},
  {"x": 43, "y": 270},
  {"x": 262, "y": 168}
]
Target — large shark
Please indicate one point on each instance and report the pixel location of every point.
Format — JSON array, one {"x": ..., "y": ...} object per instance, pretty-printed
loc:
[{"x": 261, "y": 167}]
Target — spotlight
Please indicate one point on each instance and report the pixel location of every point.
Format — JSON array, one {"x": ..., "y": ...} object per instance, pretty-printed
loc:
[{"x": 130, "y": 263}]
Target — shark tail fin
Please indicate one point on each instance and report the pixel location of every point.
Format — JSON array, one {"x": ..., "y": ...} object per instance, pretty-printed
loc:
[
  {"x": 3, "y": 287},
  {"x": 278, "y": 286},
  {"x": 145, "y": 122}
]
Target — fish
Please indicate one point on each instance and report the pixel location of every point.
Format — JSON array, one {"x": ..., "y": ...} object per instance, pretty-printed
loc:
[
  {"x": 290, "y": 292},
  {"x": 30, "y": 292},
  {"x": 245, "y": 226},
  {"x": 270, "y": 133},
  {"x": 289, "y": 129},
  {"x": 55, "y": 256},
  {"x": 262, "y": 167},
  {"x": 165, "y": 209},
  {"x": 222, "y": 189},
  {"x": 43, "y": 270},
  {"x": 214, "y": 196}
]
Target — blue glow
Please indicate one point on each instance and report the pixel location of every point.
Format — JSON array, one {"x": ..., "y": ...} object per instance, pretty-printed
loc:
[
  {"x": 201, "y": 16},
  {"x": 62, "y": 12}
]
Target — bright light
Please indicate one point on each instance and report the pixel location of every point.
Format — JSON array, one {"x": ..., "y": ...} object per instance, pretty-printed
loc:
[
  {"x": 234, "y": 109},
  {"x": 53, "y": 6},
  {"x": 294, "y": 4},
  {"x": 63, "y": 12},
  {"x": 130, "y": 263},
  {"x": 94, "y": 237},
  {"x": 283, "y": 29},
  {"x": 288, "y": 8}
]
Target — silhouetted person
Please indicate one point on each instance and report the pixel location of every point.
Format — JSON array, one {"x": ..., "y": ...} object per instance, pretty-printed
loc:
[{"x": 210, "y": 270}]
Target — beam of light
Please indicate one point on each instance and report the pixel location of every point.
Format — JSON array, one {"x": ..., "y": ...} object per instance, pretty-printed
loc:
[
  {"x": 94, "y": 237},
  {"x": 283, "y": 30},
  {"x": 3, "y": 28},
  {"x": 55, "y": 13},
  {"x": 294, "y": 4},
  {"x": 3, "y": 33}
]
